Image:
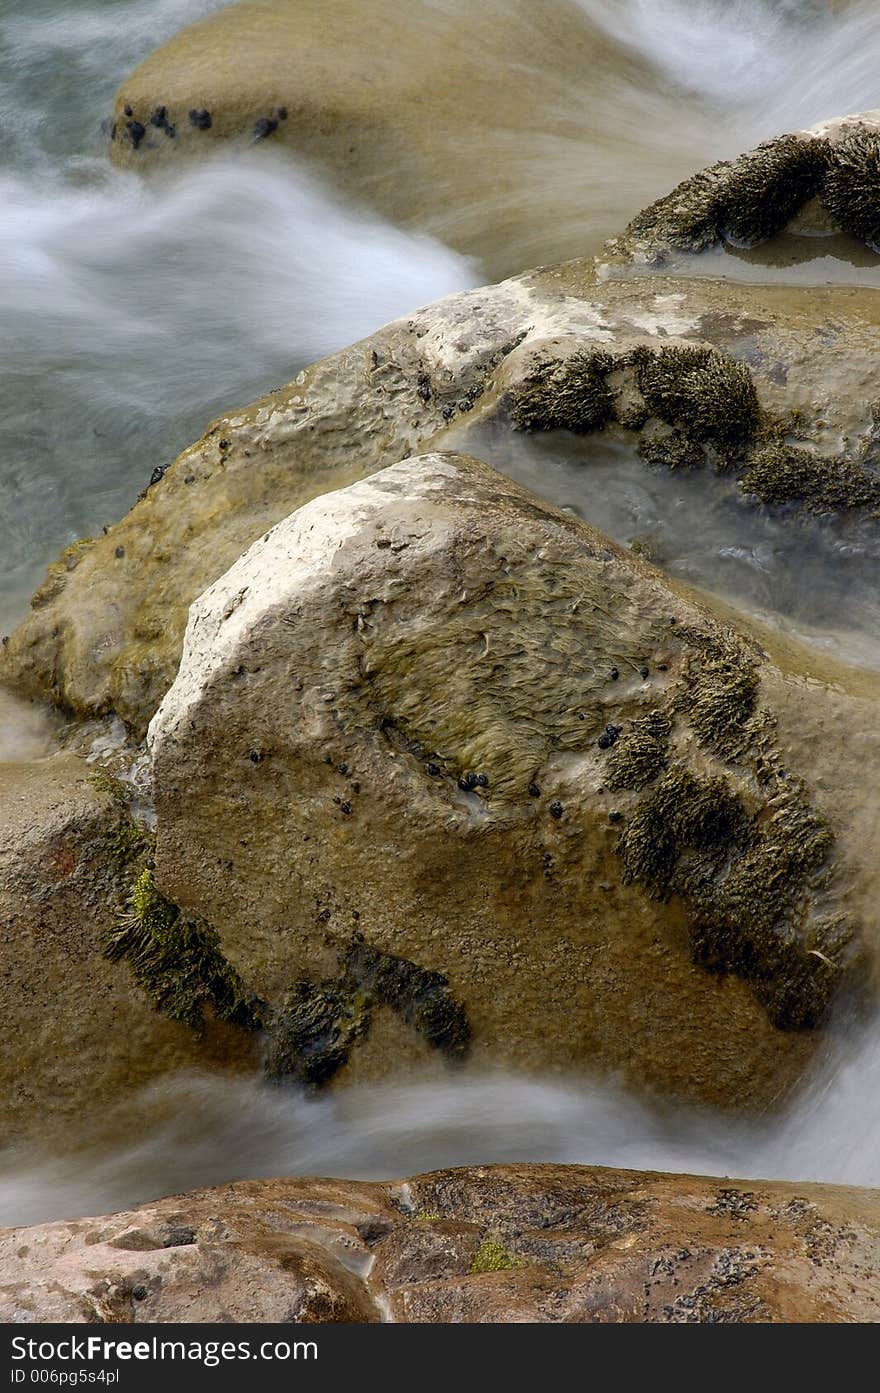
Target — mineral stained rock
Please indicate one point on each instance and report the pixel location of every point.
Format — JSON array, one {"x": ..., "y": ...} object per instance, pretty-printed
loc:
[{"x": 489, "y": 1244}]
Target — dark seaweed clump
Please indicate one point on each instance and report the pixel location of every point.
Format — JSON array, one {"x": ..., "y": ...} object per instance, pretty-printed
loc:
[
  {"x": 706, "y": 394},
  {"x": 778, "y": 473},
  {"x": 566, "y": 394},
  {"x": 745, "y": 879},
  {"x": 177, "y": 962},
  {"x": 746, "y": 201},
  {"x": 313, "y": 1036}
]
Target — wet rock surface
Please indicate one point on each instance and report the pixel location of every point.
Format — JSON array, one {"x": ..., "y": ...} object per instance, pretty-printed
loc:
[
  {"x": 76, "y": 1033},
  {"x": 444, "y": 762},
  {"x": 106, "y": 629},
  {"x": 424, "y": 664},
  {"x": 486, "y": 1244}
]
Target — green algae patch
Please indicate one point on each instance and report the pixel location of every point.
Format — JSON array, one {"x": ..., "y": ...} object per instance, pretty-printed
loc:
[
  {"x": 744, "y": 201},
  {"x": 778, "y": 473},
  {"x": 177, "y": 962},
  {"x": 313, "y": 1035},
  {"x": 851, "y": 191},
  {"x": 492, "y": 1257},
  {"x": 566, "y": 394}
]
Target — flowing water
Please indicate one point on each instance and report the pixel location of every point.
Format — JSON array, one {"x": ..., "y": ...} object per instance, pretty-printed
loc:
[{"x": 131, "y": 312}]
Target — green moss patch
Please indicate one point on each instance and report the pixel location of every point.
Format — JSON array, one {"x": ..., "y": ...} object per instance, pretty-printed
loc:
[
  {"x": 178, "y": 962},
  {"x": 312, "y": 1037},
  {"x": 492, "y": 1257}
]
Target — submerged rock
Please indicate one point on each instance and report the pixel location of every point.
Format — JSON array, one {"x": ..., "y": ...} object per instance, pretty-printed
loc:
[
  {"x": 486, "y": 1244},
  {"x": 681, "y": 914},
  {"x": 408, "y": 116},
  {"x": 76, "y": 1032}
]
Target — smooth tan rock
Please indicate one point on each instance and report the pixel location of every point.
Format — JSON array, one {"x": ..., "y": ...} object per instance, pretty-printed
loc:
[
  {"x": 434, "y": 622},
  {"x": 106, "y": 629},
  {"x": 76, "y": 1034},
  {"x": 444, "y": 122},
  {"x": 489, "y": 1244}
]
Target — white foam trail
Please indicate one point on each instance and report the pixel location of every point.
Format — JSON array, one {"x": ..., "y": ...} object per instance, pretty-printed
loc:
[
  {"x": 769, "y": 65},
  {"x": 103, "y": 38},
  {"x": 26, "y": 731}
]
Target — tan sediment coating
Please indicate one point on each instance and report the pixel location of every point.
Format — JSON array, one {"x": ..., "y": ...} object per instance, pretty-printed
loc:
[{"x": 76, "y": 1033}]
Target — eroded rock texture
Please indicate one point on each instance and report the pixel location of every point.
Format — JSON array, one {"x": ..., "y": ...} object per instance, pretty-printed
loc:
[{"x": 504, "y": 1244}]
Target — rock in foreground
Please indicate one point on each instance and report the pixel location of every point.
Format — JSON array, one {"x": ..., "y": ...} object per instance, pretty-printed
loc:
[
  {"x": 489, "y": 1244},
  {"x": 556, "y": 348}
]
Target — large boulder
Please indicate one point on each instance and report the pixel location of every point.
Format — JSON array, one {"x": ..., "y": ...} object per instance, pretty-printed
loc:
[
  {"x": 439, "y": 750},
  {"x": 76, "y": 1031},
  {"x": 489, "y": 1244},
  {"x": 782, "y": 390}
]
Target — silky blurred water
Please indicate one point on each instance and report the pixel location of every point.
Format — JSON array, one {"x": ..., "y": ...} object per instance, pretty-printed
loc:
[{"x": 194, "y": 1129}]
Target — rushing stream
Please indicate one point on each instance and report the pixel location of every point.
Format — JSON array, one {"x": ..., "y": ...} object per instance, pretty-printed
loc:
[{"x": 132, "y": 312}]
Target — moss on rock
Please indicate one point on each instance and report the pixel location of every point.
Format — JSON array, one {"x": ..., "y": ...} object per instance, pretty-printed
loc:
[
  {"x": 672, "y": 449},
  {"x": 313, "y": 1035},
  {"x": 178, "y": 962},
  {"x": 642, "y": 754},
  {"x": 746, "y": 878},
  {"x": 851, "y": 191},
  {"x": 492, "y": 1257},
  {"x": 703, "y": 396},
  {"x": 778, "y": 473},
  {"x": 566, "y": 394},
  {"x": 745, "y": 201},
  {"x": 682, "y": 814},
  {"x": 706, "y": 395}
]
